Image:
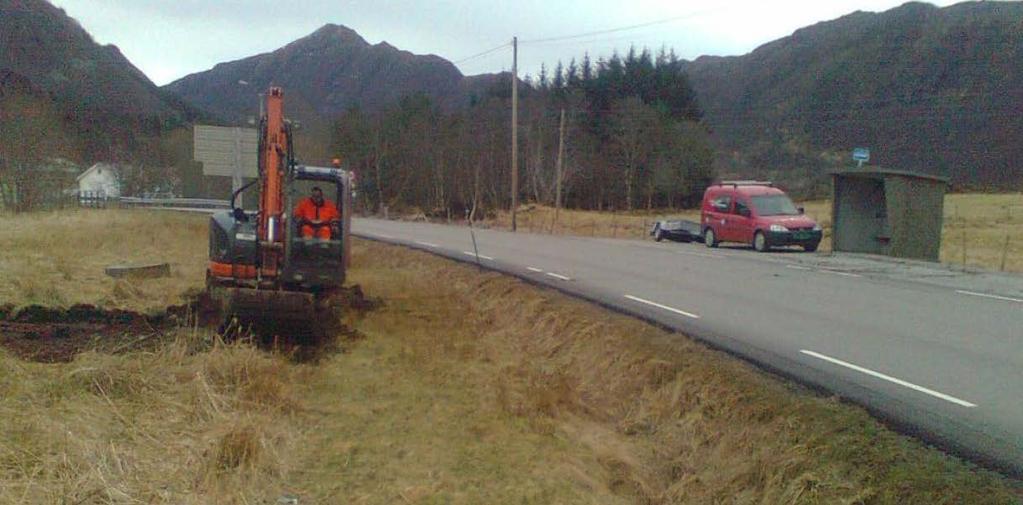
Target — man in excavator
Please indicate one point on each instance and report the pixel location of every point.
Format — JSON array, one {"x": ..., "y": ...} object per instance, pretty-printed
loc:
[{"x": 317, "y": 216}]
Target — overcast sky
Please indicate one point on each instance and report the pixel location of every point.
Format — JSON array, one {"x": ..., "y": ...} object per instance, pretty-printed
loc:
[{"x": 168, "y": 39}]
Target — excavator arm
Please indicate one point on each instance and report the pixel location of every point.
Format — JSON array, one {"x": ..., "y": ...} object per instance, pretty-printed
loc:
[{"x": 274, "y": 159}]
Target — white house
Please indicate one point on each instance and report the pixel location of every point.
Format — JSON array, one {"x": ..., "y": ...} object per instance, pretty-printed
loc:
[{"x": 100, "y": 180}]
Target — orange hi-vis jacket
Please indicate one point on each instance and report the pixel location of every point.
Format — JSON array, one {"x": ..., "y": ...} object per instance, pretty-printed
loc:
[{"x": 309, "y": 211}]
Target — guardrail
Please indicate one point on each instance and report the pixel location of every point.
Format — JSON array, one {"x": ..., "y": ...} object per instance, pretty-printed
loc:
[{"x": 190, "y": 203}]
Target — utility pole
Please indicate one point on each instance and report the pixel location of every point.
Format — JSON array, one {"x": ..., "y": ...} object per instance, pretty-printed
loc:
[
  {"x": 236, "y": 172},
  {"x": 515, "y": 131},
  {"x": 558, "y": 169}
]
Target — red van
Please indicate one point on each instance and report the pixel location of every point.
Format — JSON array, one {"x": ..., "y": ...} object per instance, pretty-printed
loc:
[{"x": 756, "y": 213}]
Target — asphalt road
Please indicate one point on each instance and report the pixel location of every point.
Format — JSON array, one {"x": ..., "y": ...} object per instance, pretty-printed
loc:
[{"x": 934, "y": 352}]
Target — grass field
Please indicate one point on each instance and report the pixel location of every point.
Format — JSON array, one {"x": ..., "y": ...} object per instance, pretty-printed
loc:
[
  {"x": 990, "y": 226},
  {"x": 479, "y": 389},
  {"x": 57, "y": 259}
]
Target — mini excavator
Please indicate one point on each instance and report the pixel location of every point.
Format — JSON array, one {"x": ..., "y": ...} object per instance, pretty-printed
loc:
[{"x": 264, "y": 276}]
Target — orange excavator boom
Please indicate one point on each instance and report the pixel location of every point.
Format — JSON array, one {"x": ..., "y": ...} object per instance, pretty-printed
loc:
[{"x": 273, "y": 159}]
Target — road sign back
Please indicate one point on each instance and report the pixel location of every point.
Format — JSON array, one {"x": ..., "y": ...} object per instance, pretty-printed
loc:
[{"x": 227, "y": 151}]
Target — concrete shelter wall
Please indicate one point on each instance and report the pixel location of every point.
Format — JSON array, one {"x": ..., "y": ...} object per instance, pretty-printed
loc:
[{"x": 915, "y": 209}]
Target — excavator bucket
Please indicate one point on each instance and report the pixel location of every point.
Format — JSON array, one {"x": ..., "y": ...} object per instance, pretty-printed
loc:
[{"x": 296, "y": 317}]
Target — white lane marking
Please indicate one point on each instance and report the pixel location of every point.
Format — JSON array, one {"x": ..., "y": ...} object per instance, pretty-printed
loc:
[
  {"x": 427, "y": 244},
  {"x": 381, "y": 235},
  {"x": 482, "y": 257},
  {"x": 665, "y": 307},
  {"x": 993, "y": 297},
  {"x": 702, "y": 255},
  {"x": 836, "y": 272},
  {"x": 891, "y": 379},
  {"x": 797, "y": 267},
  {"x": 534, "y": 269},
  {"x": 561, "y": 277}
]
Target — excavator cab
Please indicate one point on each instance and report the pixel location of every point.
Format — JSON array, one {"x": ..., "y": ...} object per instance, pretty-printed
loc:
[
  {"x": 295, "y": 302},
  {"x": 316, "y": 264}
]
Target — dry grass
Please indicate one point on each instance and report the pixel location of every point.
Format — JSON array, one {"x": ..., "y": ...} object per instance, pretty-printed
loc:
[
  {"x": 196, "y": 422},
  {"x": 57, "y": 259},
  {"x": 478, "y": 389},
  {"x": 481, "y": 389},
  {"x": 990, "y": 225},
  {"x": 541, "y": 219}
]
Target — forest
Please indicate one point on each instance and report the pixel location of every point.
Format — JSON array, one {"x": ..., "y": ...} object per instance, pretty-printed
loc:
[{"x": 632, "y": 139}]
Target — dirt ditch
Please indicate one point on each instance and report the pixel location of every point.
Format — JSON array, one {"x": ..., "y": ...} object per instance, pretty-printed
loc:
[
  {"x": 52, "y": 335},
  {"x": 56, "y": 335}
]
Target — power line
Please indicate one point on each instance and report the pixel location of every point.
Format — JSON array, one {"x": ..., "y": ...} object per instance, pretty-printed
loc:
[
  {"x": 484, "y": 53},
  {"x": 602, "y": 40},
  {"x": 620, "y": 29}
]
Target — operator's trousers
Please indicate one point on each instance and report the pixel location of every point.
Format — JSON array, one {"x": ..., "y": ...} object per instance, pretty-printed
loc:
[{"x": 322, "y": 232}]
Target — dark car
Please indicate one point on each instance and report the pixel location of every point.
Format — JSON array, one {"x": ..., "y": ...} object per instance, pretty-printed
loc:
[{"x": 679, "y": 230}]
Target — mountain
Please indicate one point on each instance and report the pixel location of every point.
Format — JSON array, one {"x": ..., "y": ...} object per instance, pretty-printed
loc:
[
  {"x": 323, "y": 74},
  {"x": 937, "y": 90},
  {"x": 105, "y": 107},
  {"x": 931, "y": 89}
]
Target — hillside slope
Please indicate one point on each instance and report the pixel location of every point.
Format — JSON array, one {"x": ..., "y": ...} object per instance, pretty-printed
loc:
[
  {"x": 929, "y": 89},
  {"x": 107, "y": 107},
  {"x": 324, "y": 74}
]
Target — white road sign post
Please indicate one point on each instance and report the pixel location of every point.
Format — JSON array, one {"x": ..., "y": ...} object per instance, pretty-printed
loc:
[{"x": 228, "y": 151}]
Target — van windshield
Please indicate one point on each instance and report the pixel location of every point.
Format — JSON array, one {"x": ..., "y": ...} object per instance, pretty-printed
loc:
[{"x": 774, "y": 205}]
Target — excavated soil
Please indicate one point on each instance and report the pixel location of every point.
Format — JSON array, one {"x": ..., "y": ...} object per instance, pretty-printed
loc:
[
  {"x": 57, "y": 335},
  {"x": 52, "y": 335}
]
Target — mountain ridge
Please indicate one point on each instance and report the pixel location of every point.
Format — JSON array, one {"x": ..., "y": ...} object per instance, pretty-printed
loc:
[
  {"x": 317, "y": 68},
  {"x": 929, "y": 89},
  {"x": 108, "y": 107}
]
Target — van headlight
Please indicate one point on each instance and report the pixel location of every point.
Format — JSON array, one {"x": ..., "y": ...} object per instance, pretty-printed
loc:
[
  {"x": 779, "y": 228},
  {"x": 817, "y": 227}
]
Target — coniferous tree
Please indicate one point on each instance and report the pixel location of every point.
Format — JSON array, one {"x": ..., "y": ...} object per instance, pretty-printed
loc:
[
  {"x": 572, "y": 74},
  {"x": 558, "y": 82},
  {"x": 586, "y": 72}
]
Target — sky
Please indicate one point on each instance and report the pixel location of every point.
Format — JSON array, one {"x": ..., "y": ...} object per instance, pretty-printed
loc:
[{"x": 168, "y": 39}]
